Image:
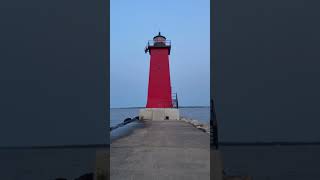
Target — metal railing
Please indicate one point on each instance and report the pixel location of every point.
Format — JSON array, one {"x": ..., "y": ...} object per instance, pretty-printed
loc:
[
  {"x": 175, "y": 100},
  {"x": 159, "y": 43}
]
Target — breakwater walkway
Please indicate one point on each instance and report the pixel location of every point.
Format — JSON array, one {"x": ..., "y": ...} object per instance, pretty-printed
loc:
[{"x": 166, "y": 149}]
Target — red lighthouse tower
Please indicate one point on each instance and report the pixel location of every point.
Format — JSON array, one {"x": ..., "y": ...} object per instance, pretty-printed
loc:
[{"x": 159, "y": 88}]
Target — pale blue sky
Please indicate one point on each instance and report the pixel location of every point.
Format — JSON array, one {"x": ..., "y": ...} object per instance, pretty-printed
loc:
[{"x": 186, "y": 23}]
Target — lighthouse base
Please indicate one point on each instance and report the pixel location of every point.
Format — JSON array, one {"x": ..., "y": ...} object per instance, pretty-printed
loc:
[{"x": 159, "y": 114}]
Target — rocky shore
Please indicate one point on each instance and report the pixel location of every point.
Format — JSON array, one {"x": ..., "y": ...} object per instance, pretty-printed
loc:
[{"x": 197, "y": 124}]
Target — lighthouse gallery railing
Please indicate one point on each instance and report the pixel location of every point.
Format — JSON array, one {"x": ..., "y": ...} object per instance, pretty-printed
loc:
[{"x": 159, "y": 43}]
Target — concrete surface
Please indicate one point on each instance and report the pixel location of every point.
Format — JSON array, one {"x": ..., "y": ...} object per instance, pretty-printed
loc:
[
  {"x": 162, "y": 150},
  {"x": 159, "y": 113}
]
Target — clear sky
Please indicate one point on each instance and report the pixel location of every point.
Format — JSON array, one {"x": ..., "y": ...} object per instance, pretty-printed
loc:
[{"x": 186, "y": 23}]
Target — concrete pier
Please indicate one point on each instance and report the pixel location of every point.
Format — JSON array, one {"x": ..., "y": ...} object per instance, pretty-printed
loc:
[{"x": 162, "y": 150}]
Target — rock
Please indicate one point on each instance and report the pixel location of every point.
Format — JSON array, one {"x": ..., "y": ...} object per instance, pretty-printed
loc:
[
  {"x": 206, "y": 128},
  {"x": 183, "y": 119},
  {"x": 202, "y": 129},
  {"x": 127, "y": 120},
  {"x": 195, "y": 122}
]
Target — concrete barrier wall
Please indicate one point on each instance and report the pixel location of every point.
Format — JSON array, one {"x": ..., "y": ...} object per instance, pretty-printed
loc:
[
  {"x": 145, "y": 114},
  {"x": 173, "y": 113},
  {"x": 159, "y": 114}
]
